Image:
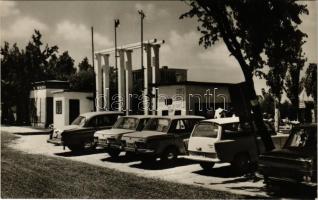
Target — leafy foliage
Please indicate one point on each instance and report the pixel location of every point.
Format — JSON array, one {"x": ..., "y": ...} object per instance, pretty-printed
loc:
[
  {"x": 252, "y": 31},
  {"x": 310, "y": 81}
]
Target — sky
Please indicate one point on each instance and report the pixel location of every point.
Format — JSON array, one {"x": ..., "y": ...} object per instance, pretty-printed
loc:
[{"x": 67, "y": 24}]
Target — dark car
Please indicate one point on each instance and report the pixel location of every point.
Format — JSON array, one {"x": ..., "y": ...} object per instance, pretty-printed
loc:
[
  {"x": 296, "y": 162},
  {"x": 80, "y": 134},
  {"x": 110, "y": 139},
  {"x": 162, "y": 137}
]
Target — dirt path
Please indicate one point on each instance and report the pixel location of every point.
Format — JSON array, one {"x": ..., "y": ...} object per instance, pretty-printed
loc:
[{"x": 184, "y": 171}]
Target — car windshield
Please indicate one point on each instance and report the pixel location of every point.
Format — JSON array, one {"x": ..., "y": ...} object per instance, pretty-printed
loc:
[
  {"x": 127, "y": 123},
  {"x": 303, "y": 137},
  {"x": 158, "y": 124},
  {"x": 80, "y": 120},
  {"x": 206, "y": 130}
]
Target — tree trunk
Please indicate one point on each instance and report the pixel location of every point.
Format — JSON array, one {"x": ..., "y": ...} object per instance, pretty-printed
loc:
[
  {"x": 258, "y": 116},
  {"x": 277, "y": 115}
]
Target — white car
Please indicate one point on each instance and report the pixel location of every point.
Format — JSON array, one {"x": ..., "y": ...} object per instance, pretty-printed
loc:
[
  {"x": 226, "y": 140},
  {"x": 111, "y": 138}
]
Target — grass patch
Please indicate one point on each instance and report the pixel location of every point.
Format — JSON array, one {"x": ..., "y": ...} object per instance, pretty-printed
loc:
[{"x": 36, "y": 176}]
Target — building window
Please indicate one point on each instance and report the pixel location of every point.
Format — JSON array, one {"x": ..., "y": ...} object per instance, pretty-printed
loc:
[
  {"x": 58, "y": 107},
  {"x": 165, "y": 113},
  {"x": 168, "y": 101},
  {"x": 177, "y": 112}
]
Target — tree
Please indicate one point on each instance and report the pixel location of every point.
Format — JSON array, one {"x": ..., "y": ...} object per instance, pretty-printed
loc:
[
  {"x": 84, "y": 65},
  {"x": 64, "y": 66},
  {"x": 310, "y": 84},
  {"x": 247, "y": 28},
  {"x": 84, "y": 79},
  {"x": 310, "y": 81},
  {"x": 19, "y": 69}
]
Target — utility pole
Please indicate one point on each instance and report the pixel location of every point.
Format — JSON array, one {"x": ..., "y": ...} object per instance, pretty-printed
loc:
[
  {"x": 145, "y": 88},
  {"x": 94, "y": 95},
  {"x": 142, "y": 16},
  {"x": 116, "y": 25}
]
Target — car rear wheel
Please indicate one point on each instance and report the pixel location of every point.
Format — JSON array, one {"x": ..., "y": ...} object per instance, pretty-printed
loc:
[
  {"x": 169, "y": 155},
  {"x": 76, "y": 147},
  {"x": 114, "y": 153},
  {"x": 241, "y": 163},
  {"x": 148, "y": 160},
  {"x": 207, "y": 166}
]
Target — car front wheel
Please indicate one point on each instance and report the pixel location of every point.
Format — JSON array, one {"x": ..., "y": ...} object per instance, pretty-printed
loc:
[
  {"x": 169, "y": 155},
  {"x": 207, "y": 166},
  {"x": 114, "y": 153}
]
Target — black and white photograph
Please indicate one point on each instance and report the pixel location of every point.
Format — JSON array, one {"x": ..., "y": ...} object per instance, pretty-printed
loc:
[{"x": 164, "y": 99}]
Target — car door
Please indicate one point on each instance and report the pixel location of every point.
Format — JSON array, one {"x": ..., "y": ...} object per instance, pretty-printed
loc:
[{"x": 181, "y": 132}]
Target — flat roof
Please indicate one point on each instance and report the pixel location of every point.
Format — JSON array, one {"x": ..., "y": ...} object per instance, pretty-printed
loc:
[
  {"x": 225, "y": 120},
  {"x": 68, "y": 90},
  {"x": 195, "y": 83}
]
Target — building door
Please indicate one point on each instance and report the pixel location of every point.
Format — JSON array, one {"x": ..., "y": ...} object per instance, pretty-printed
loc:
[
  {"x": 74, "y": 109},
  {"x": 49, "y": 111}
]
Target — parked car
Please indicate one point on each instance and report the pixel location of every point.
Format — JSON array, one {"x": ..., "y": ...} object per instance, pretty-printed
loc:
[
  {"x": 162, "y": 137},
  {"x": 296, "y": 162},
  {"x": 111, "y": 138},
  {"x": 227, "y": 140},
  {"x": 80, "y": 134}
]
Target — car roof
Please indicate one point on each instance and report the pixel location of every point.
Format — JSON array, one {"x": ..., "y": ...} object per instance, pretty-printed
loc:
[
  {"x": 225, "y": 120},
  {"x": 138, "y": 116},
  {"x": 92, "y": 114},
  {"x": 179, "y": 117}
]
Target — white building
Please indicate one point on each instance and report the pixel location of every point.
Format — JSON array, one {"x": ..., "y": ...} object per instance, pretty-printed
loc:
[
  {"x": 69, "y": 104},
  {"x": 41, "y": 101},
  {"x": 192, "y": 98}
]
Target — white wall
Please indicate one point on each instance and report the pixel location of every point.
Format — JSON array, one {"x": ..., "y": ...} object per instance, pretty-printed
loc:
[
  {"x": 86, "y": 105},
  {"x": 178, "y": 95},
  {"x": 186, "y": 104},
  {"x": 40, "y": 103}
]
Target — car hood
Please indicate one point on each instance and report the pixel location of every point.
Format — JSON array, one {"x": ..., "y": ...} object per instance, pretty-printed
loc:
[
  {"x": 112, "y": 133},
  {"x": 144, "y": 134},
  {"x": 68, "y": 128}
]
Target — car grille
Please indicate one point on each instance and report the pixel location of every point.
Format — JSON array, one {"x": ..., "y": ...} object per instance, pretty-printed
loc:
[
  {"x": 112, "y": 140},
  {"x": 141, "y": 145}
]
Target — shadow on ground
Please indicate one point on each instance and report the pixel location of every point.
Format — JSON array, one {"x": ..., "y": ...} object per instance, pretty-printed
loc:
[
  {"x": 157, "y": 165},
  {"x": 80, "y": 153},
  {"x": 121, "y": 159},
  {"x": 294, "y": 191},
  {"x": 220, "y": 172}
]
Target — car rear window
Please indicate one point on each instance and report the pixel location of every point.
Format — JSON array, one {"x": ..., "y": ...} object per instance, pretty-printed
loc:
[
  {"x": 303, "y": 137},
  {"x": 206, "y": 130}
]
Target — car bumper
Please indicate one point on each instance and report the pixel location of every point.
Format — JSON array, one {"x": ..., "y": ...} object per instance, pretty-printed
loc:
[
  {"x": 267, "y": 173},
  {"x": 202, "y": 158},
  {"x": 56, "y": 141},
  {"x": 139, "y": 151},
  {"x": 101, "y": 143}
]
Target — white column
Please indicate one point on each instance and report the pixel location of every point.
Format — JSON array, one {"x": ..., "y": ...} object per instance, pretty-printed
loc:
[
  {"x": 155, "y": 75},
  {"x": 121, "y": 80},
  {"x": 106, "y": 70},
  {"x": 147, "y": 79},
  {"x": 98, "y": 78},
  {"x": 129, "y": 80}
]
